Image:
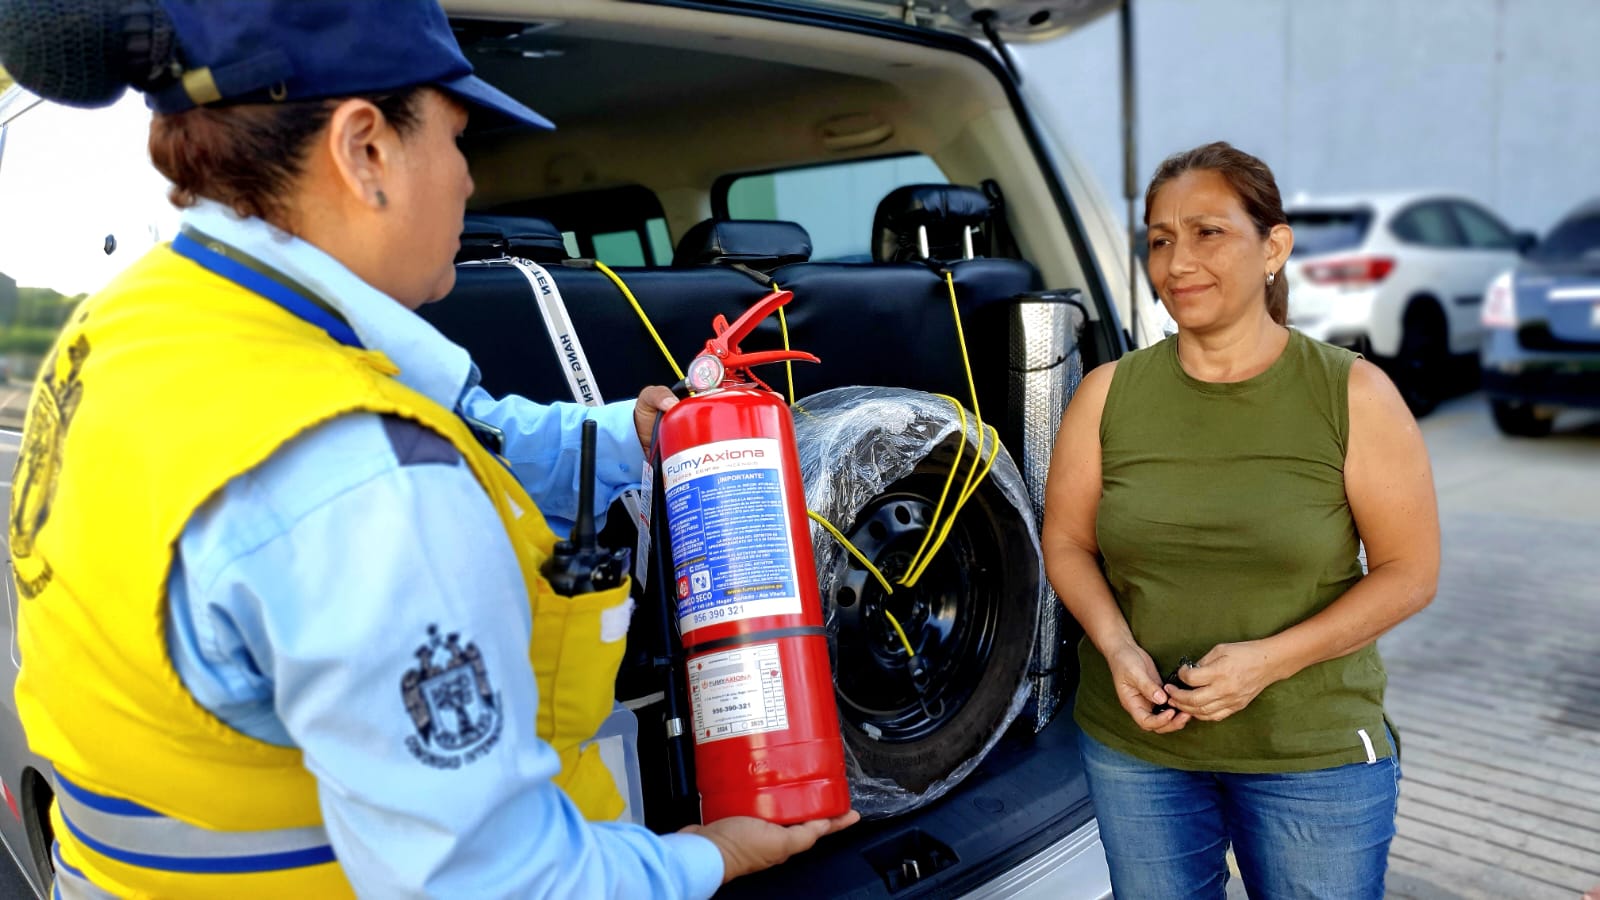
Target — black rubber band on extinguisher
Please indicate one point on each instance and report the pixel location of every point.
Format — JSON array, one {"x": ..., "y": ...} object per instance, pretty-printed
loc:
[{"x": 771, "y": 634}]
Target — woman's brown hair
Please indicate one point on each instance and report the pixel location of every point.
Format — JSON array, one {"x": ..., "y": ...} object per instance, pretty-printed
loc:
[
  {"x": 1252, "y": 183},
  {"x": 248, "y": 156}
]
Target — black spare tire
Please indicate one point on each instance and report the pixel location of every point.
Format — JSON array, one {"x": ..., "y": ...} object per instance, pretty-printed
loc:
[{"x": 876, "y": 462}]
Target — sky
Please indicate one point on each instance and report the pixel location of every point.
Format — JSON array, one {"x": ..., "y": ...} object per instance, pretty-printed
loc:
[{"x": 69, "y": 178}]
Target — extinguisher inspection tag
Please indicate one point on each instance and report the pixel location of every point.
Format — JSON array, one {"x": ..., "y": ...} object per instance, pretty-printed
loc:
[
  {"x": 738, "y": 692},
  {"x": 731, "y": 547}
]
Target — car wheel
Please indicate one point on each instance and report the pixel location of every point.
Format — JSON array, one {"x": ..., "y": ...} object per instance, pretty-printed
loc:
[
  {"x": 36, "y": 799},
  {"x": 1521, "y": 419},
  {"x": 913, "y": 731},
  {"x": 1424, "y": 360}
]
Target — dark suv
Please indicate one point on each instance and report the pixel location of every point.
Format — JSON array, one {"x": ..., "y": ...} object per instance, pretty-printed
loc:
[{"x": 1541, "y": 348}]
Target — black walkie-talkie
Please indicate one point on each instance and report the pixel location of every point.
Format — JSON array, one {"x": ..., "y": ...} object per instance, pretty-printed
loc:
[{"x": 579, "y": 565}]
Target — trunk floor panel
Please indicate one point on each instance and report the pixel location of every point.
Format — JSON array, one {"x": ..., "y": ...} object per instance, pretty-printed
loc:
[{"x": 1027, "y": 793}]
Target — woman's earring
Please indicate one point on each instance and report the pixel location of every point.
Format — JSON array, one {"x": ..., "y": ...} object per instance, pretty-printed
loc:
[
  {"x": 383, "y": 202},
  {"x": 1271, "y": 276}
]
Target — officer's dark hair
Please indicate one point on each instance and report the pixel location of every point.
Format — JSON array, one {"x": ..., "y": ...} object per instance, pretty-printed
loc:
[{"x": 247, "y": 156}]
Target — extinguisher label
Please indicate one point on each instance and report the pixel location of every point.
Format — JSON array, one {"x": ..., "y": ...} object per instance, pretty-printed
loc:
[
  {"x": 737, "y": 692},
  {"x": 731, "y": 547}
]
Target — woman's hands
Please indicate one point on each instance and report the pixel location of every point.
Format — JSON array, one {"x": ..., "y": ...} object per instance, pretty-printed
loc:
[
  {"x": 1224, "y": 681},
  {"x": 1139, "y": 689}
]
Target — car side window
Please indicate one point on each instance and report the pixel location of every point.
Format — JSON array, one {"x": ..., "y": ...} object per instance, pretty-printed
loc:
[
  {"x": 621, "y": 226},
  {"x": 1481, "y": 229},
  {"x": 1428, "y": 225},
  {"x": 83, "y": 201}
]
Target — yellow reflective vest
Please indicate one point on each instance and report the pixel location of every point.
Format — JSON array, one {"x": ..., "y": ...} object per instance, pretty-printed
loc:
[{"x": 165, "y": 386}]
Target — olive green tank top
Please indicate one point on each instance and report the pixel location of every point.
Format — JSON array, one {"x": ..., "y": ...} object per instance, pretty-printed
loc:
[{"x": 1223, "y": 518}]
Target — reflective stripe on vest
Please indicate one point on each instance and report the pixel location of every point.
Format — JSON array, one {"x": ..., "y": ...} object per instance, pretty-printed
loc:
[
  {"x": 72, "y": 884},
  {"x": 139, "y": 836}
]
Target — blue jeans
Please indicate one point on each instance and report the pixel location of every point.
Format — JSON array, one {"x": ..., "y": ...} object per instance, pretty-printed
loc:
[{"x": 1295, "y": 835}]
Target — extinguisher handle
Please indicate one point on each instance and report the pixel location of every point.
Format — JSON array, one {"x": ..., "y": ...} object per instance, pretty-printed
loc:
[
  {"x": 737, "y": 361},
  {"x": 726, "y": 343}
]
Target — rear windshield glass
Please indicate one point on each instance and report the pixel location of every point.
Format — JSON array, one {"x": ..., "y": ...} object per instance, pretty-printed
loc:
[
  {"x": 834, "y": 203},
  {"x": 1572, "y": 240},
  {"x": 1318, "y": 231}
]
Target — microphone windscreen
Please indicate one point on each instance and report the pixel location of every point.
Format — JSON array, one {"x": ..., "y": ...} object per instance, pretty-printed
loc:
[{"x": 84, "y": 52}]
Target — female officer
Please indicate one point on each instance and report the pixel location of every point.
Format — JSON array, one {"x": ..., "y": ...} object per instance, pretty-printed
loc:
[
  {"x": 280, "y": 600},
  {"x": 1225, "y": 479}
]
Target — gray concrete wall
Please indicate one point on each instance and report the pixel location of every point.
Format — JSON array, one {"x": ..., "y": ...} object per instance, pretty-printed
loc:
[{"x": 1499, "y": 99}]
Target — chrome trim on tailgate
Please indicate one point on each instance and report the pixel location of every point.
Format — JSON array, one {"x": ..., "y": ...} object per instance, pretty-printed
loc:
[{"x": 1073, "y": 868}]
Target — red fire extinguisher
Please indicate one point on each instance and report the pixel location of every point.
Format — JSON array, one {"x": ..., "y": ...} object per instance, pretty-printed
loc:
[{"x": 762, "y": 712}]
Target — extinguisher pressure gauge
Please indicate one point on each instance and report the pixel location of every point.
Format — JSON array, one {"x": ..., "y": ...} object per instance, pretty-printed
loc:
[{"x": 705, "y": 372}]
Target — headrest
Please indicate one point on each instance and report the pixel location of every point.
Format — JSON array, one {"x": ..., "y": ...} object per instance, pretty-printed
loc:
[
  {"x": 490, "y": 237},
  {"x": 761, "y": 245},
  {"x": 945, "y": 210}
]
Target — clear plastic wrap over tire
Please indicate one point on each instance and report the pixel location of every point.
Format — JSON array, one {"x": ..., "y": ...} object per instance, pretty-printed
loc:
[{"x": 876, "y": 462}]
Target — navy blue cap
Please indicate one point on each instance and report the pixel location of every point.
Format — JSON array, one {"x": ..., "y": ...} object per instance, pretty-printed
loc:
[{"x": 286, "y": 50}]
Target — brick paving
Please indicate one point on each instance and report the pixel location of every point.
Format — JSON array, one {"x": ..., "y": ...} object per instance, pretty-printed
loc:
[{"x": 1495, "y": 687}]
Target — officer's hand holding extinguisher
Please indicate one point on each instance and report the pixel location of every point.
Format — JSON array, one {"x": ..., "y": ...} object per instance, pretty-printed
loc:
[
  {"x": 653, "y": 401},
  {"x": 749, "y": 844}
]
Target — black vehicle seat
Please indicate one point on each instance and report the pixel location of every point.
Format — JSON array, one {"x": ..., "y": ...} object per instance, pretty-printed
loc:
[
  {"x": 929, "y": 221},
  {"x": 492, "y": 311},
  {"x": 757, "y": 244},
  {"x": 889, "y": 322},
  {"x": 491, "y": 237},
  {"x": 884, "y": 323}
]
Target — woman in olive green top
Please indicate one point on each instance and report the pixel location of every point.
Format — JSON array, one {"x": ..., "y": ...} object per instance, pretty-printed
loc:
[{"x": 1207, "y": 500}]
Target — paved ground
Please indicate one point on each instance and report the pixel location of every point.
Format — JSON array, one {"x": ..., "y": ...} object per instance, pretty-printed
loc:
[
  {"x": 13, "y": 403},
  {"x": 1496, "y": 686}
]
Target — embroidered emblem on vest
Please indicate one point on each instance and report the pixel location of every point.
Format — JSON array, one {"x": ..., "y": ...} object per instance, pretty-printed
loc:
[
  {"x": 39, "y": 462},
  {"x": 455, "y": 710}
]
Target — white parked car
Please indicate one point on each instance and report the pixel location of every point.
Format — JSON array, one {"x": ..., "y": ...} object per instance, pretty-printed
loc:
[{"x": 1399, "y": 277}]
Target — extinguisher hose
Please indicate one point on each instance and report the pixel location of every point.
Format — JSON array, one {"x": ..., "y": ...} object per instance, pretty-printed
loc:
[{"x": 680, "y": 768}]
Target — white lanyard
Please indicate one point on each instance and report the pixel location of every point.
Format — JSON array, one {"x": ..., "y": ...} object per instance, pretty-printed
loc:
[{"x": 575, "y": 366}]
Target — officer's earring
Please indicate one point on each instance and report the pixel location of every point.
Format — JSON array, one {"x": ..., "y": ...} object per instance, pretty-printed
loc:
[
  {"x": 383, "y": 202},
  {"x": 1271, "y": 276}
]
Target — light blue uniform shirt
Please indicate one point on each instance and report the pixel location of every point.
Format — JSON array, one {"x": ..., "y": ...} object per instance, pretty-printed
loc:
[{"x": 303, "y": 591}]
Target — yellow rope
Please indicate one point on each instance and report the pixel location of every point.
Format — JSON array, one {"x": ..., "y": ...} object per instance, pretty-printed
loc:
[
  {"x": 919, "y": 562},
  {"x": 861, "y": 557},
  {"x": 938, "y": 508},
  {"x": 961, "y": 338},
  {"x": 967, "y": 491},
  {"x": 900, "y": 631},
  {"x": 642, "y": 317},
  {"x": 788, "y": 365},
  {"x": 845, "y": 543}
]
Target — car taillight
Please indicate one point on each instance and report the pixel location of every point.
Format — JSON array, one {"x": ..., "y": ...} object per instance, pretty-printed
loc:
[
  {"x": 1500, "y": 303},
  {"x": 1354, "y": 271}
]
